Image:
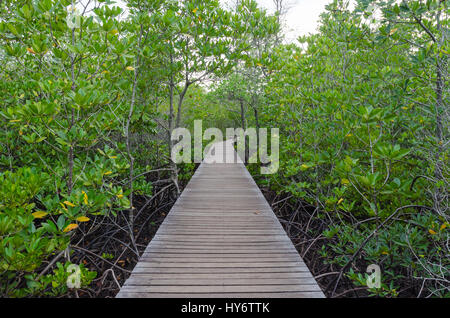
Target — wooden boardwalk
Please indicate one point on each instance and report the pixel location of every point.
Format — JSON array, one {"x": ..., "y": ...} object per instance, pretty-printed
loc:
[{"x": 221, "y": 239}]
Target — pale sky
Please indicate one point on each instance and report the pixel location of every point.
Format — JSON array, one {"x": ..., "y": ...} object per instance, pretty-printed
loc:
[{"x": 301, "y": 18}]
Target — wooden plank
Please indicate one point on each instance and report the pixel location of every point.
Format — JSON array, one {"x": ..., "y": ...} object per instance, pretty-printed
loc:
[
  {"x": 214, "y": 270},
  {"x": 214, "y": 250},
  {"x": 217, "y": 228},
  {"x": 215, "y": 276},
  {"x": 229, "y": 264},
  {"x": 214, "y": 235},
  {"x": 224, "y": 236},
  {"x": 212, "y": 281},
  {"x": 224, "y": 252},
  {"x": 222, "y": 245},
  {"x": 218, "y": 259},
  {"x": 219, "y": 232},
  {"x": 214, "y": 254},
  {"x": 221, "y": 239},
  {"x": 219, "y": 243},
  {"x": 219, "y": 249},
  {"x": 222, "y": 288},
  {"x": 133, "y": 294}
]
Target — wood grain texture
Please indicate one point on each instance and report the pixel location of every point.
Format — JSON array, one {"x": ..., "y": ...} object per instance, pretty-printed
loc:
[{"x": 221, "y": 239}]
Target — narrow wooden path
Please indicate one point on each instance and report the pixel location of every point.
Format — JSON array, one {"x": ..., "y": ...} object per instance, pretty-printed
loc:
[{"x": 221, "y": 239}]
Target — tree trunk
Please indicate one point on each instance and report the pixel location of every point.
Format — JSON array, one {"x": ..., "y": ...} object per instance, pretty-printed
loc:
[
  {"x": 180, "y": 103},
  {"x": 246, "y": 155},
  {"x": 173, "y": 165},
  {"x": 255, "y": 110}
]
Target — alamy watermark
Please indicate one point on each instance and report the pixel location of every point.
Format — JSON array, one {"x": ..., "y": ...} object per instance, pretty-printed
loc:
[
  {"x": 73, "y": 18},
  {"x": 374, "y": 279},
  {"x": 74, "y": 278},
  {"x": 255, "y": 150}
]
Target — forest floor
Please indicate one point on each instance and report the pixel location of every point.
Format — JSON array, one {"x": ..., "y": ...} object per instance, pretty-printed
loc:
[
  {"x": 114, "y": 246},
  {"x": 304, "y": 230},
  {"x": 109, "y": 250}
]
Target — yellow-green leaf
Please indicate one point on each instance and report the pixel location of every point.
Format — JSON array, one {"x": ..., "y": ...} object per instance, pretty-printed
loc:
[
  {"x": 68, "y": 203},
  {"x": 70, "y": 227},
  {"x": 83, "y": 219},
  {"x": 85, "y": 198},
  {"x": 39, "y": 214}
]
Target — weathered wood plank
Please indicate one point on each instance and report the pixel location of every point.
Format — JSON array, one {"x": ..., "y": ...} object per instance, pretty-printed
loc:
[
  {"x": 212, "y": 281},
  {"x": 218, "y": 259},
  {"x": 193, "y": 270},
  {"x": 127, "y": 294},
  {"x": 212, "y": 254},
  {"x": 215, "y": 276},
  {"x": 229, "y": 264},
  {"x": 222, "y": 288},
  {"x": 223, "y": 250}
]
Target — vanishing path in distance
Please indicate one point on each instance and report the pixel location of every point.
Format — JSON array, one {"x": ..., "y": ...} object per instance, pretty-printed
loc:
[{"x": 221, "y": 239}]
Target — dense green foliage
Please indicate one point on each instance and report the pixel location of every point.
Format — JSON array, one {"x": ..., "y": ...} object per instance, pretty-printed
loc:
[
  {"x": 362, "y": 105},
  {"x": 363, "y": 111},
  {"x": 87, "y": 105}
]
